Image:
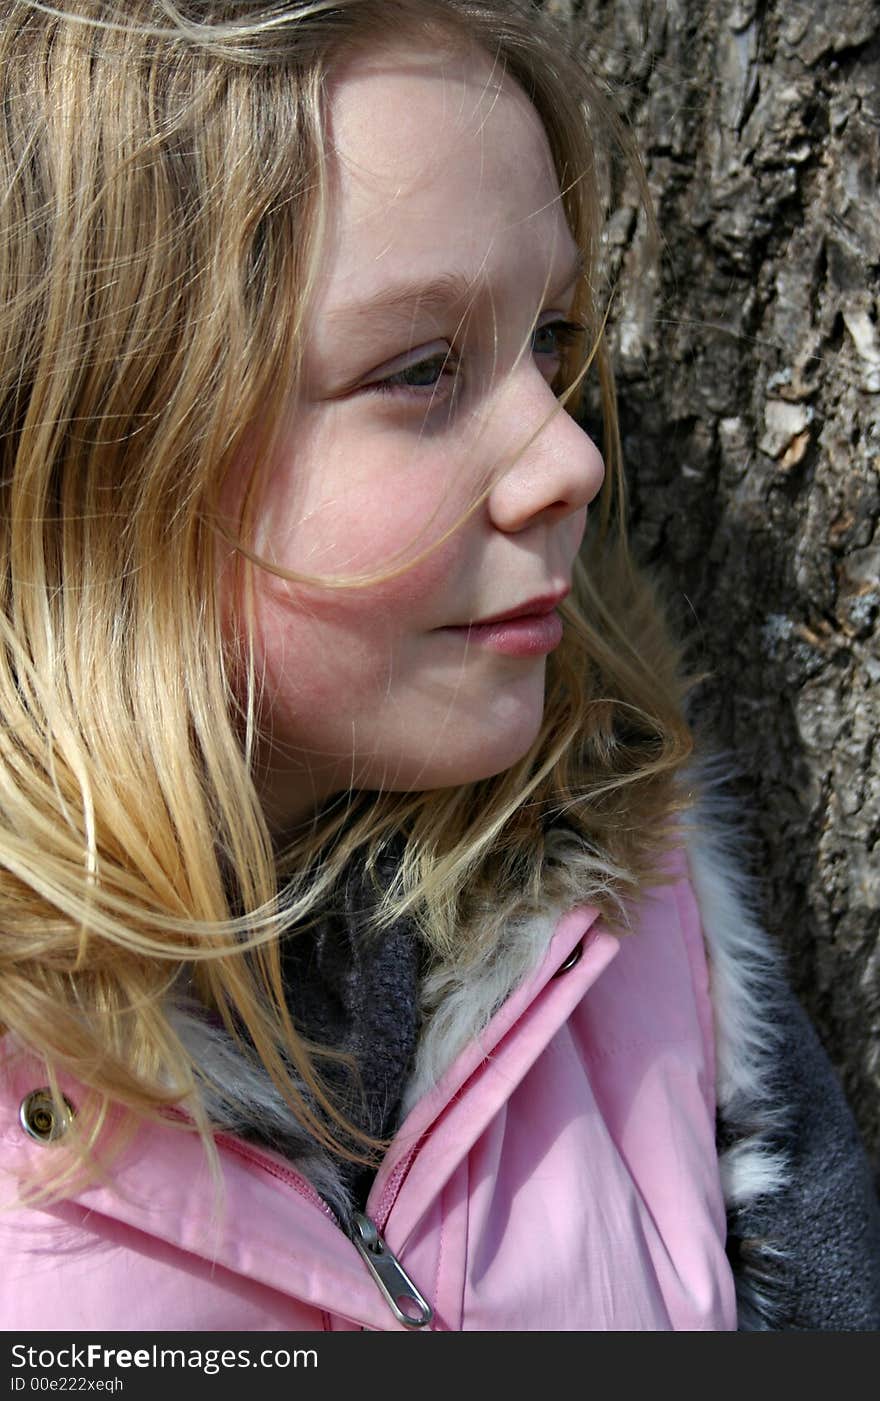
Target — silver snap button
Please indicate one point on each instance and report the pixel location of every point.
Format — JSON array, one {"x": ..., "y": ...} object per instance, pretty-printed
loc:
[
  {"x": 41, "y": 1117},
  {"x": 573, "y": 958}
]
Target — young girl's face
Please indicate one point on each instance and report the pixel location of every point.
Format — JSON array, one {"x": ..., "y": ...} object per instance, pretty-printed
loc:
[{"x": 433, "y": 340}]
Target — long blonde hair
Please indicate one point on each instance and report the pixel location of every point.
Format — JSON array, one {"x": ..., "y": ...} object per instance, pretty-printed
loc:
[{"x": 164, "y": 188}]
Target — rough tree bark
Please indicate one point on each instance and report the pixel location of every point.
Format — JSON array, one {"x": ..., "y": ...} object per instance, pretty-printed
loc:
[{"x": 748, "y": 358}]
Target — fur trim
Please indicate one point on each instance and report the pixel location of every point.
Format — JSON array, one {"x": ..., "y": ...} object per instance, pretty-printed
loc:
[
  {"x": 238, "y": 1094},
  {"x": 744, "y": 975},
  {"x": 459, "y": 1001},
  {"x": 457, "y": 1005}
]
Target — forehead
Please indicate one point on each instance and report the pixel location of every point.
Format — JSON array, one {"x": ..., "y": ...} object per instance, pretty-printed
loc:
[{"x": 438, "y": 162}]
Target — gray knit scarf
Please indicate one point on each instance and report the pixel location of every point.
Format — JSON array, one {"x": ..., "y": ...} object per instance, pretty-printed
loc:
[{"x": 357, "y": 993}]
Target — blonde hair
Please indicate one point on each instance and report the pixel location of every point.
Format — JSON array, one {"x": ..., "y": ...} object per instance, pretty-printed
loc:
[{"x": 164, "y": 194}]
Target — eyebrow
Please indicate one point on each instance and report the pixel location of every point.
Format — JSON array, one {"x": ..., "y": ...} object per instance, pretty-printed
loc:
[{"x": 402, "y": 301}]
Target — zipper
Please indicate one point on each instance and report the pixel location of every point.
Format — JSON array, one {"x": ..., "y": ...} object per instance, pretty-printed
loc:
[
  {"x": 408, "y": 1305},
  {"x": 399, "y": 1291},
  {"x": 382, "y": 1209},
  {"x": 300, "y": 1185}
]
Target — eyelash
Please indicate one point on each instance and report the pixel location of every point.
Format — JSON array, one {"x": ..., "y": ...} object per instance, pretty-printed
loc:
[{"x": 567, "y": 334}]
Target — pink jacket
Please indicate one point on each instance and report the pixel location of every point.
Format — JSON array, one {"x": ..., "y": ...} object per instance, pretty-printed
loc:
[{"x": 561, "y": 1175}]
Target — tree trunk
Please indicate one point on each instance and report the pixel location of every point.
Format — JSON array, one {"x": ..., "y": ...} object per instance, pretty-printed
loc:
[{"x": 748, "y": 358}]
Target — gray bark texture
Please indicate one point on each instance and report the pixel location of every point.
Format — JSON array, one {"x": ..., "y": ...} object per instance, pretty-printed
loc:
[{"x": 748, "y": 361}]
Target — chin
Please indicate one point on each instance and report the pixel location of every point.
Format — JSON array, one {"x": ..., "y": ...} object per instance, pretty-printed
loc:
[{"x": 485, "y": 752}]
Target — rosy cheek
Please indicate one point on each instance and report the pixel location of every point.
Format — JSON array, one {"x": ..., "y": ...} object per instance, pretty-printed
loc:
[
  {"x": 344, "y": 529},
  {"x": 350, "y": 508},
  {"x": 409, "y": 598}
]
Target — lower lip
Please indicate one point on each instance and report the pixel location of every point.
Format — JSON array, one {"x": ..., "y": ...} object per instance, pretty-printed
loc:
[{"x": 533, "y": 635}]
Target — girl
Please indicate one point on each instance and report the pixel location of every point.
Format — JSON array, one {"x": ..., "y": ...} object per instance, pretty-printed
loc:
[{"x": 364, "y": 963}]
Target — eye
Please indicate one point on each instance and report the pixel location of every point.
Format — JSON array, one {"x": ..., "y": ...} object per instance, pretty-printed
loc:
[
  {"x": 430, "y": 376},
  {"x": 555, "y": 337}
]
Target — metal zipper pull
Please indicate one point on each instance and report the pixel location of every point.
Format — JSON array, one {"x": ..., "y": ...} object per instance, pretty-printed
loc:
[{"x": 397, "y": 1288}]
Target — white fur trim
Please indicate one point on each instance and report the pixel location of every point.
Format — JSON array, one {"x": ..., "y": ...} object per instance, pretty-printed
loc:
[
  {"x": 743, "y": 973},
  {"x": 458, "y": 1003}
]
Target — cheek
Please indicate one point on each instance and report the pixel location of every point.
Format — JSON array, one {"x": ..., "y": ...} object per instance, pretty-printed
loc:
[
  {"x": 358, "y": 533},
  {"x": 312, "y": 641},
  {"x": 349, "y": 497},
  {"x": 406, "y": 598},
  {"x": 339, "y": 508}
]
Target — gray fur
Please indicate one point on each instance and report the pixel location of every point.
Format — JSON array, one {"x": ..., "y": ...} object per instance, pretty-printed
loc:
[{"x": 239, "y": 1097}]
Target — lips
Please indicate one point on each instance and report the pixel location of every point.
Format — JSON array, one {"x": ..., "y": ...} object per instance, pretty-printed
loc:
[
  {"x": 537, "y": 607},
  {"x": 529, "y": 630}
]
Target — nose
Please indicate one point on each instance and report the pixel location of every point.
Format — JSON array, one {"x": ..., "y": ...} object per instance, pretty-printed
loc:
[{"x": 555, "y": 467}]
